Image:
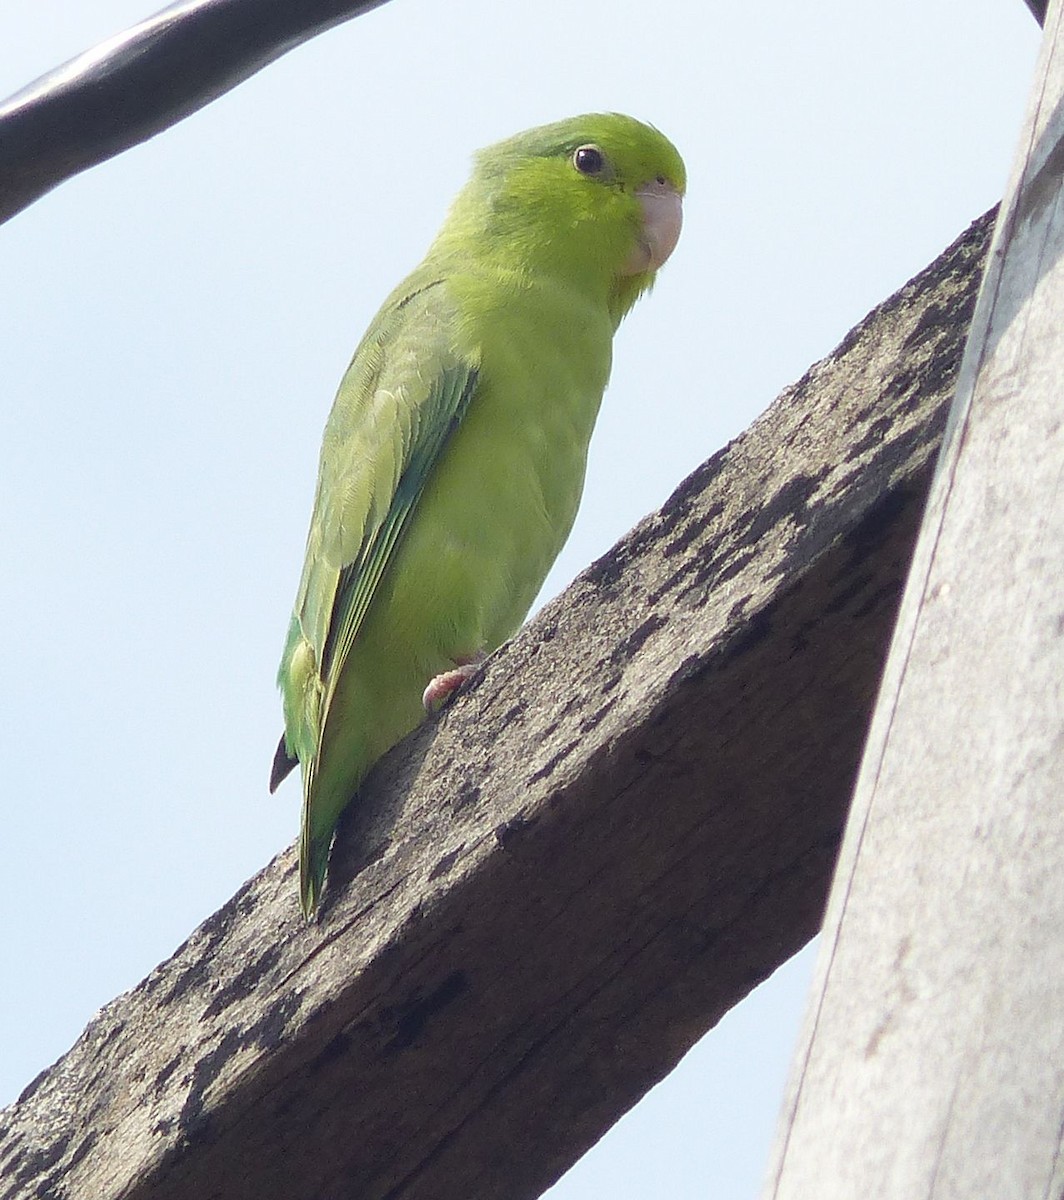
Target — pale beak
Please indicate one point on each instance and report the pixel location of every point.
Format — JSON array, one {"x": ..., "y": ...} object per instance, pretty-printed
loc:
[{"x": 662, "y": 208}]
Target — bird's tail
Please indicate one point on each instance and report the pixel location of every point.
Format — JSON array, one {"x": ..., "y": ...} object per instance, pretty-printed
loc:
[
  {"x": 314, "y": 844},
  {"x": 330, "y": 780},
  {"x": 313, "y": 863}
]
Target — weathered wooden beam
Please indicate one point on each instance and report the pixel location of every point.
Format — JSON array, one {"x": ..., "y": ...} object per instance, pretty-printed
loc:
[
  {"x": 543, "y": 900},
  {"x": 933, "y": 1059}
]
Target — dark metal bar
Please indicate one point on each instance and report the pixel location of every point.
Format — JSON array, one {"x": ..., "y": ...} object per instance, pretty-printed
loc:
[
  {"x": 1038, "y": 10},
  {"x": 139, "y": 82}
]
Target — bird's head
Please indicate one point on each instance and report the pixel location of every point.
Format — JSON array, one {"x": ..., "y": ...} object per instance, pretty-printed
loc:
[{"x": 596, "y": 199}]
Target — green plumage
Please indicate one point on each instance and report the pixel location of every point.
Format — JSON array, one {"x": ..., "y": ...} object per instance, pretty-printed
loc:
[{"x": 453, "y": 459}]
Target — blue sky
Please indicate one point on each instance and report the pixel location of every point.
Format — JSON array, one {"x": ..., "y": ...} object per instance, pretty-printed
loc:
[{"x": 176, "y": 321}]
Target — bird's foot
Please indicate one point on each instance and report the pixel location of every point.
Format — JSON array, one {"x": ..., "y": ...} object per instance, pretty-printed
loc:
[{"x": 442, "y": 687}]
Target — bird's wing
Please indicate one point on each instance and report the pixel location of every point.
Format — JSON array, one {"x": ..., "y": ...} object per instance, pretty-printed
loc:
[
  {"x": 436, "y": 417},
  {"x": 405, "y": 392}
]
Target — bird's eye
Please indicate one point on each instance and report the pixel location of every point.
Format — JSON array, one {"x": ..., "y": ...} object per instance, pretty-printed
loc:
[{"x": 589, "y": 160}]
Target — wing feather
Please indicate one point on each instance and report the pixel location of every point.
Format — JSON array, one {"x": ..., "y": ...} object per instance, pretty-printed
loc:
[
  {"x": 440, "y": 415},
  {"x": 405, "y": 392}
]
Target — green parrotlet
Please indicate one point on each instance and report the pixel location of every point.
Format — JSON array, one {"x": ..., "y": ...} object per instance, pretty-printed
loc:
[{"x": 453, "y": 458}]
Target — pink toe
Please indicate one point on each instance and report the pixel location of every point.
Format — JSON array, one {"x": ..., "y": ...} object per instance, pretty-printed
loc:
[{"x": 442, "y": 687}]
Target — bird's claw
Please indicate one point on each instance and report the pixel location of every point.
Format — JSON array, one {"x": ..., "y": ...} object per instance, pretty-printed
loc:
[{"x": 442, "y": 687}]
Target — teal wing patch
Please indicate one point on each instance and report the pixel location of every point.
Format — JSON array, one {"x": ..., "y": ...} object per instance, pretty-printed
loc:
[
  {"x": 405, "y": 392},
  {"x": 439, "y": 416}
]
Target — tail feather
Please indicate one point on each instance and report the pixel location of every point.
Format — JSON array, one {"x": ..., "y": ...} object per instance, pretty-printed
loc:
[
  {"x": 313, "y": 863},
  {"x": 328, "y": 787},
  {"x": 313, "y": 849}
]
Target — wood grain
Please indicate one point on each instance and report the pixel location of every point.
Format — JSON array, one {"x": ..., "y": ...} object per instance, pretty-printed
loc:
[
  {"x": 933, "y": 1059},
  {"x": 542, "y": 900}
]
